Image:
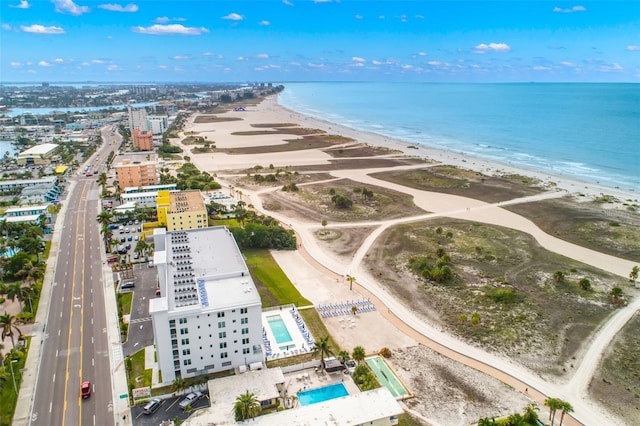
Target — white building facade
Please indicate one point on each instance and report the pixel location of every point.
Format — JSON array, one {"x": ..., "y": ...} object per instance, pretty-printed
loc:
[
  {"x": 158, "y": 125},
  {"x": 137, "y": 119},
  {"x": 208, "y": 315}
]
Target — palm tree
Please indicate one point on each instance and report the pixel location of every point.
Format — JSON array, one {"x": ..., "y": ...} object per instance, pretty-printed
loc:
[
  {"x": 358, "y": 354},
  {"x": 351, "y": 279},
  {"x": 531, "y": 413},
  {"x": 566, "y": 408},
  {"x": 343, "y": 356},
  {"x": 554, "y": 405},
  {"x": 7, "y": 323},
  {"x": 30, "y": 293},
  {"x": 105, "y": 218},
  {"x": 616, "y": 294},
  {"x": 14, "y": 291},
  {"x": 324, "y": 226},
  {"x": 633, "y": 275},
  {"x": 322, "y": 346},
  {"x": 246, "y": 406},
  {"x": 179, "y": 384}
]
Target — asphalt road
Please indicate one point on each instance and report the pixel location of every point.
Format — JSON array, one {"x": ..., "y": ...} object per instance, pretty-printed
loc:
[{"x": 76, "y": 347}]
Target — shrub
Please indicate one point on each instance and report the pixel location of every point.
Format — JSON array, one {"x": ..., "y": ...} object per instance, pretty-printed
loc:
[
  {"x": 385, "y": 352},
  {"x": 504, "y": 295}
]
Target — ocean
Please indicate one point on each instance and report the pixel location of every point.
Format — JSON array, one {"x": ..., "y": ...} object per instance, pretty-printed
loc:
[{"x": 586, "y": 132}]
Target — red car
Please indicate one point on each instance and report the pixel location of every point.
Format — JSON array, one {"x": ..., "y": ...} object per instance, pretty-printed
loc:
[{"x": 85, "y": 389}]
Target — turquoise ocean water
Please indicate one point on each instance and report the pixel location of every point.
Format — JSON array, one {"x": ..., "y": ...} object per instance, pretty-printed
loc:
[{"x": 588, "y": 132}]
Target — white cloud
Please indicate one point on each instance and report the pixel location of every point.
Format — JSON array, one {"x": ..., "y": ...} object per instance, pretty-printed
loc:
[
  {"x": 119, "y": 8},
  {"x": 541, "y": 68},
  {"x": 422, "y": 53},
  {"x": 569, "y": 9},
  {"x": 358, "y": 59},
  {"x": 6, "y": 27},
  {"x": 632, "y": 48},
  {"x": 434, "y": 63},
  {"x": 287, "y": 2},
  {"x": 611, "y": 68},
  {"x": 44, "y": 64},
  {"x": 181, "y": 57},
  {"x": 264, "y": 23},
  {"x": 113, "y": 67},
  {"x": 419, "y": 16},
  {"x": 15, "y": 64},
  {"x": 233, "y": 17},
  {"x": 240, "y": 58},
  {"x": 170, "y": 29},
  {"x": 407, "y": 67},
  {"x": 162, "y": 19},
  {"x": 374, "y": 62},
  {"x": 322, "y": 1},
  {"x": 163, "y": 67},
  {"x": 41, "y": 29},
  {"x": 262, "y": 56},
  {"x": 97, "y": 61},
  {"x": 68, "y": 6},
  {"x": 59, "y": 60},
  {"x": 312, "y": 65},
  {"x": 359, "y": 17},
  {"x": 381, "y": 17},
  {"x": 492, "y": 47},
  {"x": 24, "y": 4},
  {"x": 567, "y": 64}
]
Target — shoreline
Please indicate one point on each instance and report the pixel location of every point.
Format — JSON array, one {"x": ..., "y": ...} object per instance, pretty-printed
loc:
[{"x": 445, "y": 156}]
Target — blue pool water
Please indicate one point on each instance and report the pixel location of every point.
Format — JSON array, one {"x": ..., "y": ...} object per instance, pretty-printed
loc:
[
  {"x": 279, "y": 329},
  {"x": 326, "y": 393}
]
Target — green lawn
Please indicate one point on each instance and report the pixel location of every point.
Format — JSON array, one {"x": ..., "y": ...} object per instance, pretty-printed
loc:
[
  {"x": 274, "y": 286},
  {"x": 137, "y": 375},
  {"x": 124, "y": 303}
]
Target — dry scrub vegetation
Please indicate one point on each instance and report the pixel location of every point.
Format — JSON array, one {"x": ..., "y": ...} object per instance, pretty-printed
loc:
[{"x": 503, "y": 295}]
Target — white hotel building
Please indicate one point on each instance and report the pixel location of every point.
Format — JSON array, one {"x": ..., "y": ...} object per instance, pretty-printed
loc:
[{"x": 208, "y": 316}]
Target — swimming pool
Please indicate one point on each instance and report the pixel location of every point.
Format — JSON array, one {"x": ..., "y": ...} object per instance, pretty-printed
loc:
[
  {"x": 326, "y": 393},
  {"x": 387, "y": 377},
  {"x": 279, "y": 329}
]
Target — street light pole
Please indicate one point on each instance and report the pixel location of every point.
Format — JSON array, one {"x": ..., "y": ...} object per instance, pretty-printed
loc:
[{"x": 15, "y": 388}]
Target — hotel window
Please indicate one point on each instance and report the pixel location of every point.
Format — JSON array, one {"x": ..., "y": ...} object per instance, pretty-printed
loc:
[
  {"x": 221, "y": 324},
  {"x": 245, "y": 341},
  {"x": 186, "y": 352},
  {"x": 224, "y": 355},
  {"x": 245, "y": 331},
  {"x": 186, "y": 362},
  {"x": 244, "y": 320},
  {"x": 243, "y": 310},
  {"x": 222, "y": 334},
  {"x": 223, "y": 345},
  {"x": 185, "y": 341},
  {"x": 182, "y": 321},
  {"x": 245, "y": 350},
  {"x": 220, "y": 314},
  {"x": 184, "y": 331}
]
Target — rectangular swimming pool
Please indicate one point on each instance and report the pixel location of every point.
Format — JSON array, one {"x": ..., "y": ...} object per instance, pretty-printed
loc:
[
  {"x": 326, "y": 393},
  {"x": 279, "y": 329}
]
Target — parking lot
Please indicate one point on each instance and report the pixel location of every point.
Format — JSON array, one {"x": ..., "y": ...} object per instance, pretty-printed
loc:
[
  {"x": 140, "y": 327},
  {"x": 168, "y": 410}
]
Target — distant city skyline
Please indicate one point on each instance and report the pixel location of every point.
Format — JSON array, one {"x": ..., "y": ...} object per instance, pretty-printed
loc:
[{"x": 321, "y": 40}]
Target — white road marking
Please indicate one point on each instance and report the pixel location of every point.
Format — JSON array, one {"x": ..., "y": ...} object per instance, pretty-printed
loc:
[
  {"x": 54, "y": 377},
  {"x": 50, "y": 406}
]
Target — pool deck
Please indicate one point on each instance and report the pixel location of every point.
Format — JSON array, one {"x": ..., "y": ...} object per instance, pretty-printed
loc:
[
  {"x": 301, "y": 339},
  {"x": 307, "y": 379}
]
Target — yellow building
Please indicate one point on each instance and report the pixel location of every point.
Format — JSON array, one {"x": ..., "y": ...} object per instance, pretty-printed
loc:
[{"x": 181, "y": 210}]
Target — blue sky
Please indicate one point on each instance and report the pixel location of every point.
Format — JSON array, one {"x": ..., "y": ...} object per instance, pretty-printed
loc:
[{"x": 294, "y": 40}]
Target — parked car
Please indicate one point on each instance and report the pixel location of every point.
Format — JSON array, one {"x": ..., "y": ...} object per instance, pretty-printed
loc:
[
  {"x": 190, "y": 399},
  {"x": 130, "y": 238},
  {"x": 136, "y": 256},
  {"x": 85, "y": 389},
  {"x": 112, "y": 259},
  {"x": 127, "y": 284},
  {"x": 152, "y": 406}
]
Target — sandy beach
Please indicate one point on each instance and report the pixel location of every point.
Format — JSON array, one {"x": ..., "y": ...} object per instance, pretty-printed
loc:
[{"x": 318, "y": 272}]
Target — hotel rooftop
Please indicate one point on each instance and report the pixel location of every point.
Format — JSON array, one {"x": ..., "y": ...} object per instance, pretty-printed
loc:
[{"x": 204, "y": 265}]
